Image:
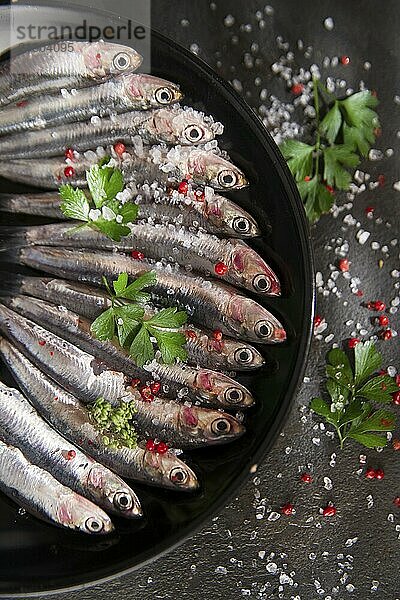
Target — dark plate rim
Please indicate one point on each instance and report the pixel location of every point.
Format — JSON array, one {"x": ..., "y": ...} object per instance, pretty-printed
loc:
[{"x": 305, "y": 341}]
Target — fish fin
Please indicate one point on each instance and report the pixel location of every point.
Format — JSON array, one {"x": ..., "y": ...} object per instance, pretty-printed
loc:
[
  {"x": 11, "y": 283},
  {"x": 12, "y": 237},
  {"x": 6, "y": 202}
]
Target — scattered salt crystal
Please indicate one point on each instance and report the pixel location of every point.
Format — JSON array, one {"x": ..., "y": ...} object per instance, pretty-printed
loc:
[
  {"x": 272, "y": 568},
  {"x": 396, "y": 186},
  {"x": 351, "y": 542},
  {"x": 350, "y": 587},
  {"x": 329, "y": 23},
  {"x": 261, "y": 554},
  {"x": 221, "y": 570},
  {"x": 274, "y": 516},
  {"x": 229, "y": 20},
  {"x": 362, "y": 236},
  {"x": 328, "y": 483},
  {"x": 194, "y": 48}
]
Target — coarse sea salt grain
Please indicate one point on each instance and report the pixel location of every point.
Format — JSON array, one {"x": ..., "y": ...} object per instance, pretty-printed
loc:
[{"x": 329, "y": 23}]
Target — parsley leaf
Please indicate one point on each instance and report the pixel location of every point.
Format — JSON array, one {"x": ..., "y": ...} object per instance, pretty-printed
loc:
[
  {"x": 330, "y": 124},
  {"x": 101, "y": 211},
  {"x": 316, "y": 198},
  {"x": 341, "y": 135},
  {"x": 354, "y": 394},
  {"x": 142, "y": 350},
  {"x": 75, "y": 205},
  {"x": 127, "y": 320},
  {"x": 336, "y": 158},
  {"x": 299, "y": 157}
]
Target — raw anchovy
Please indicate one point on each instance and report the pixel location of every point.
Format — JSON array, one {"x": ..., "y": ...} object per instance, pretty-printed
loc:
[
  {"x": 202, "y": 346},
  {"x": 200, "y": 384},
  {"x": 217, "y": 304},
  {"x": 213, "y": 213},
  {"x": 157, "y": 164},
  {"x": 174, "y": 125},
  {"x": 46, "y": 498},
  {"x": 88, "y": 378},
  {"x": 63, "y": 65},
  {"x": 21, "y": 425},
  {"x": 65, "y": 413},
  {"x": 242, "y": 266},
  {"x": 127, "y": 92}
]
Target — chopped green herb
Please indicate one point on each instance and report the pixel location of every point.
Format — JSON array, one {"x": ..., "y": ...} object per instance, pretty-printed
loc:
[
  {"x": 114, "y": 423},
  {"x": 353, "y": 397}
]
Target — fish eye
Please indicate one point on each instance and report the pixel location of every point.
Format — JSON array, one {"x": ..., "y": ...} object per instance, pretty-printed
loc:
[
  {"x": 220, "y": 426},
  {"x": 263, "y": 329},
  {"x": 234, "y": 396},
  {"x": 122, "y": 501},
  {"x": 193, "y": 133},
  {"x": 261, "y": 283},
  {"x": 121, "y": 61},
  {"x": 178, "y": 476},
  {"x": 243, "y": 356},
  {"x": 241, "y": 225},
  {"x": 163, "y": 95},
  {"x": 94, "y": 525},
  {"x": 227, "y": 179}
]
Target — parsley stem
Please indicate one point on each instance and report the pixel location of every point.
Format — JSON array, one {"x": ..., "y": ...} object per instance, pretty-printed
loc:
[{"x": 317, "y": 118}]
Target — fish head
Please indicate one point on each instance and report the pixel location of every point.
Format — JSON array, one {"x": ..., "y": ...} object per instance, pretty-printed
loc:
[
  {"x": 218, "y": 427},
  {"x": 76, "y": 512},
  {"x": 254, "y": 272},
  {"x": 248, "y": 318},
  {"x": 121, "y": 499},
  {"x": 102, "y": 59},
  {"x": 168, "y": 471},
  {"x": 241, "y": 356},
  {"x": 219, "y": 173},
  {"x": 223, "y": 389},
  {"x": 154, "y": 91}
]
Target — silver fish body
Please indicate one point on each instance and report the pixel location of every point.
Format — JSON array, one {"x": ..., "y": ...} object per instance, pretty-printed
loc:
[
  {"x": 20, "y": 424},
  {"x": 200, "y": 384},
  {"x": 204, "y": 348},
  {"x": 174, "y": 125},
  {"x": 204, "y": 252},
  {"x": 156, "y": 164},
  {"x": 63, "y": 65},
  {"x": 65, "y": 413},
  {"x": 131, "y": 91},
  {"x": 213, "y": 213},
  {"x": 88, "y": 378},
  {"x": 38, "y": 492},
  {"x": 217, "y": 304}
]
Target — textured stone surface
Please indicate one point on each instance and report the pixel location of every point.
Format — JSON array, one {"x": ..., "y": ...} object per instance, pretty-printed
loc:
[{"x": 304, "y": 556}]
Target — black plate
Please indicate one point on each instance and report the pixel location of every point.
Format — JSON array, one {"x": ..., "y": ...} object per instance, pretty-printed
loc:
[{"x": 35, "y": 557}]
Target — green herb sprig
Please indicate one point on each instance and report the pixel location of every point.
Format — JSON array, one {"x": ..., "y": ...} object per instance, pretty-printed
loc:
[
  {"x": 115, "y": 423},
  {"x": 135, "y": 332},
  {"x": 101, "y": 210},
  {"x": 344, "y": 131},
  {"x": 354, "y": 396}
]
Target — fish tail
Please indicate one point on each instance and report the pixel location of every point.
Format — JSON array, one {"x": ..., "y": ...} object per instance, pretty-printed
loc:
[
  {"x": 12, "y": 238},
  {"x": 11, "y": 283}
]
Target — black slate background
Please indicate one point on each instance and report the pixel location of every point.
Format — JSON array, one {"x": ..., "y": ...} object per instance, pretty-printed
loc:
[{"x": 310, "y": 553}]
